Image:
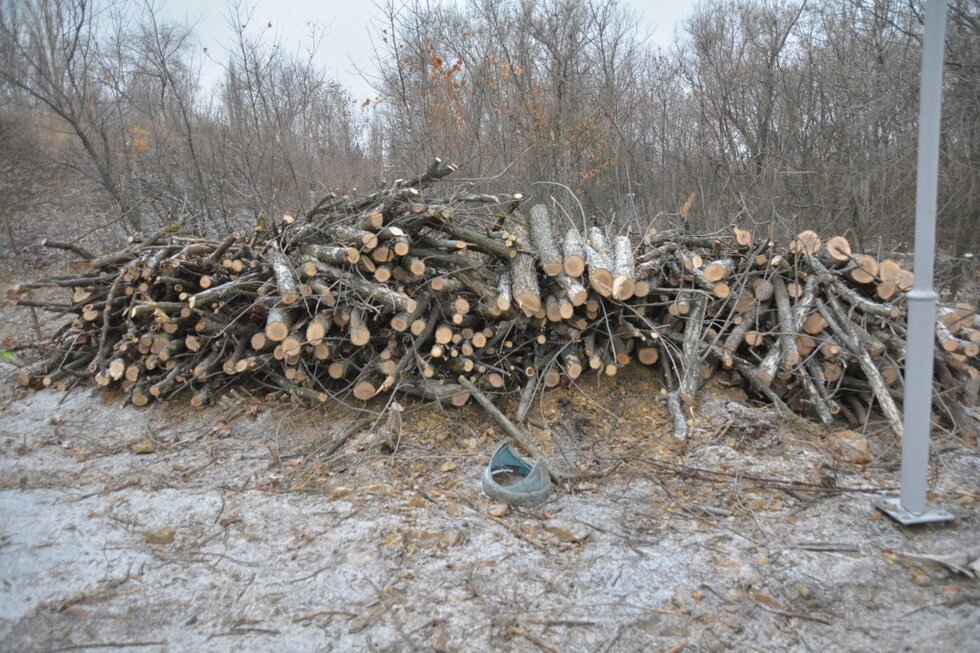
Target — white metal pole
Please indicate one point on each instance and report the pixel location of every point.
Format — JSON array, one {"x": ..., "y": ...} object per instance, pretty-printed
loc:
[{"x": 922, "y": 299}]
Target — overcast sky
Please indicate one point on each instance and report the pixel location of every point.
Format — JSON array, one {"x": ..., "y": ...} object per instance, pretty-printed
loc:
[{"x": 346, "y": 45}]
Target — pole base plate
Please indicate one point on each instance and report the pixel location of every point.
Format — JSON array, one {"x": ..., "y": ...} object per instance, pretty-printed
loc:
[{"x": 893, "y": 508}]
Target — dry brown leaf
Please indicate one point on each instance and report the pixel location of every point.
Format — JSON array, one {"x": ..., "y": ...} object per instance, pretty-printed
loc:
[
  {"x": 160, "y": 536},
  {"x": 849, "y": 447},
  {"x": 570, "y": 533},
  {"x": 233, "y": 518},
  {"x": 766, "y": 600},
  {"x": 144, "y": 446},
  {"x": 447, "y": 466},
  {"x": 440, "y": 641},
  {"x": 341, "y": 492}
]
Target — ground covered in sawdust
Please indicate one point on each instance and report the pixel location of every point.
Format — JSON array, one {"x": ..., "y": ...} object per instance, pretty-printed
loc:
[{"x": 245, "y": 527}]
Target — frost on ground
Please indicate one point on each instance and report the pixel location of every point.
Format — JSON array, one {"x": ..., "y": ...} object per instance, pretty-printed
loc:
[{"x": 237, "y": 528}]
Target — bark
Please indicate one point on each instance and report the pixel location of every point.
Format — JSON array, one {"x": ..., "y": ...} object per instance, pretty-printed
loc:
[
  {"x": 690, "y": 355},
  {"x": 543, "y": 240}
]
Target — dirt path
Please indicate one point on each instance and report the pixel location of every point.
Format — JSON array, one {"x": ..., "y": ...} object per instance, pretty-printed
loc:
[{"x": 373, "y": 549}]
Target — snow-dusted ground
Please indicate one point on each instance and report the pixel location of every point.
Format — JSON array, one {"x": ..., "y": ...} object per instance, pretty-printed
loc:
[{"x": 275, "y": 548}]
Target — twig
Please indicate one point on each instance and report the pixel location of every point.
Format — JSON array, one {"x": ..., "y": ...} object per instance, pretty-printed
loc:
[
  {"x": 508, "y": 426},
  {"x": 792, "y": 615},
  {"x": 80, "y": 647},
  {"x": 828, "y": 546}
]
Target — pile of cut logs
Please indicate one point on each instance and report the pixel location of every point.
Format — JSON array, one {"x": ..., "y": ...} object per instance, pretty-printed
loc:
[{"x": 411, "y": 292}]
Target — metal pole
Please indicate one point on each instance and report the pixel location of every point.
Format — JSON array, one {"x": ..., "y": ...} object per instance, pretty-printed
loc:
[{"x": 922, "y": 299}]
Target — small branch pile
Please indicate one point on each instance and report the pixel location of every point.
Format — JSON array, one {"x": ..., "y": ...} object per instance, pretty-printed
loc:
[{"x": 406, "y": 291}]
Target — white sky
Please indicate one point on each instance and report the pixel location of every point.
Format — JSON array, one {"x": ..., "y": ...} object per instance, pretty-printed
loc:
[{"x": 346, "y": 44}]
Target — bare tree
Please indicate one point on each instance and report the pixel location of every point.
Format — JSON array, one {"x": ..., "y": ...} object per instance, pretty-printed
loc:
[
  {"x": 54, "y": 58},
  {"x": 790, "y": 114}
]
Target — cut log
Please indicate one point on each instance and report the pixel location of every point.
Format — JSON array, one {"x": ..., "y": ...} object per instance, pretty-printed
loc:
[
  {"x": 600, "y": 268},
  {"x": 742, "y": 236},
  {"x": 332, "y": 254},
  {"x": 890, "y": 271},
  {"x": 384, "y": 296},
  {"x": 886, "y": 290},
  {"x": 242, "y": 287},
  {"x": 285, "y": 279},
  {"x": 543, "y": 240},
  {"x": 814, "y": 324},
  {"x": 414, "y": 265},
  {"x": 789, "y": 357},
  {"x": 690, "y": 378},
  {"x": 806, "y": 242},
  {"x": 471, "y": 239},
  {"x": 648, "y": 355},
  {"x": 524, "y": 285},
  {"x": 865, "y": 270},
  {"x": 624, "y": 269},
  {"x": 576, "y": 293},
  {"x": 504, "y": 297},
  {"x": 718, "y": 270},
  {"x": 906, "y": 280},
  {"x": 600, "y": 272},
  {"x": 364, "y": 390},
  {"x": 371, "y": 221},
  {"x": 318, "y": 327},
  {"x": 838, "y": 250},
  {"x": 573, "y": 251},
  {"x": 277, "y": 324},
  {"x": 358, "y": 330},
  {"x": 571, "y": 364},
  {"x": 763, "y": 289},
  {"x": 361, "y": 239},
  {"x": 842, "y": 330}
]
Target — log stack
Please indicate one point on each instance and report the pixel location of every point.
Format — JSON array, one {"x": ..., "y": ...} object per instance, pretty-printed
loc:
[{"x": 405, "y": 290}]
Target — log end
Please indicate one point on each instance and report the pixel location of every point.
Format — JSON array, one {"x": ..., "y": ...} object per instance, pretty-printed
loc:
[
  {"x": 365, "y": 390},
  {"x": 529, "y": 303},
  {"x": 552, "y": 268},
  {"x": 275, "y": 331},
  {"x": 602, "y": 282},
  {"x": 838, "y": 249},
  {"x": 648, "y": 355},
  {"x": 574, "y": 266}
]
